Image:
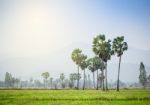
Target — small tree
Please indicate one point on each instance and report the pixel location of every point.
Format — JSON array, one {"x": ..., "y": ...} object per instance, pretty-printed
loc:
[
  {"x": 8, "y": 80},
  {"x": 72, "y": 79},
  {"x": 45, "y": 76},
  {"x": 62, "y": 77},
  {"x": 142, "y": 76}
]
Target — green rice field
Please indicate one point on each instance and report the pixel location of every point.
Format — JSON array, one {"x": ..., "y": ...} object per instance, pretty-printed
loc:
[{"x": 74, "y": 97}]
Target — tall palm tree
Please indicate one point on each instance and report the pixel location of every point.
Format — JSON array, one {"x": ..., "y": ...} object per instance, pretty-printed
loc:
[
  {"x": 77, "y": 57},
  {"x": 102, "y": 49},
  {"x": 119, "y": 46},
  {"x": 84, "y": 65}
]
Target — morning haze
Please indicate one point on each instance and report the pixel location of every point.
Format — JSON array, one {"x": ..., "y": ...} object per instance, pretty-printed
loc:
[{"x": 38, "y": 36}]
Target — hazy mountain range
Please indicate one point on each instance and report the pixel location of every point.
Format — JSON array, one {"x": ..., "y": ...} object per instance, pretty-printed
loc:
[{"x": 60, "y": 61}]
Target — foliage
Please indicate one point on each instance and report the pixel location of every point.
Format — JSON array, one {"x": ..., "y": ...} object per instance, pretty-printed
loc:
[
  {"x": 119, "y": 46},
  {"x": 142, "y": 76},
  {"x": 10, "y": 81},
  {"x": 45, "y": 75},
  {"x": 102, "y": 48}
]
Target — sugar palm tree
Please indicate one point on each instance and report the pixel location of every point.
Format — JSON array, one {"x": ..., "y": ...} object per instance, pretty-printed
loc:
[
  {"x": 119, "y": 46},
  {"x": 102, "y": 49},
  {"x": 77, "y": 57}
]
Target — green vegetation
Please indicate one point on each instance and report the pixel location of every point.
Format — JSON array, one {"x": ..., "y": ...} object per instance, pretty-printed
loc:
[
  {"x": 74, "y": 97},
  {"x": 142, "y": 76}
]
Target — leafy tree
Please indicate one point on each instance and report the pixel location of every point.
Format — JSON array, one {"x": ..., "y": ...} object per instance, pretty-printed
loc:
[
  {"x": 142, "y": 76},
  {"x": 83, "y": 66},
  {"x": 45, "y": 76},
  {"x": 62, "y": 77},
  {"x": 72, "y": 79},
  {"x": 11, "y": 81},
  {"x": 77, "y": 57},
  {"x": 8, "y": 79},
  {"x": 118, "y": 47},
  {"x": 102, "y": 49}
]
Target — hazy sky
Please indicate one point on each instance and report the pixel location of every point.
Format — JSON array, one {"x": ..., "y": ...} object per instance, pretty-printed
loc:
[{"x": 33, "y": 32}]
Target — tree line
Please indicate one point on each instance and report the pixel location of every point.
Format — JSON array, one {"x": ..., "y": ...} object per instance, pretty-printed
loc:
[{"x": 70, "y": 82}]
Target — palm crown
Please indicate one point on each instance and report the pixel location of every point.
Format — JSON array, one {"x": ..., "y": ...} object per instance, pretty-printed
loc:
[
  {"x": 102, "y": 48},
  {"x": 119, "y": 46}
]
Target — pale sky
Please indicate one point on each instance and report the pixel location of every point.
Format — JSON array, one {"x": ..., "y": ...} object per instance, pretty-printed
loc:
[{"x": 33, "y": 32}]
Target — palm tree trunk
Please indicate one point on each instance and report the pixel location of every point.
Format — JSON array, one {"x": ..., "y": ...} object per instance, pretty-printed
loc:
[
  {"x": 118, "y": 73},
  {"x": 103, "y": 80},
  {"x": 97, "y": 80},
  {"x": 84, "y": 81},
  {"x": 78, "y": 79},
  {"x": 93, "y": 79},
  {"x": 106, "y": 76}
]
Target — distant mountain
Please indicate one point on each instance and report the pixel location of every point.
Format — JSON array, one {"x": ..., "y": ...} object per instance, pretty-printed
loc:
[{"x": 60, "y": 61}]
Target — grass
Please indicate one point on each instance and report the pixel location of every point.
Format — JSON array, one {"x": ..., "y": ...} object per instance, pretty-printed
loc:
[{"x": 74, "y": 97}]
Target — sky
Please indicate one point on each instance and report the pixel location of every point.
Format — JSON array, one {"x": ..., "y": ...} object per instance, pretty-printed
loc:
[{"x": 39, "y": 35}]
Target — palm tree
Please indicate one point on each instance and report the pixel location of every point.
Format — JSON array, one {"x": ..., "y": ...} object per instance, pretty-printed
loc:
[
  {"x": 77, "y": 57},
  {"x": 45, "y": 75},
  {"x": 72, "y": 78},
  {"x": 62, "y": 77},
  {"x": 84, "y": 65},
  {"x": 102, "y": 49},
  {"x": 119, "y": 46}
]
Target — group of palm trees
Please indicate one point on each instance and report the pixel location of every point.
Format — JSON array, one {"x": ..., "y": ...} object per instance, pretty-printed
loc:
[{"x": 103, "y": 50}]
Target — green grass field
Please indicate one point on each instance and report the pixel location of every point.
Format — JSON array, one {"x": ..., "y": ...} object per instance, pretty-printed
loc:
[{"x": 74, "y": 97}]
